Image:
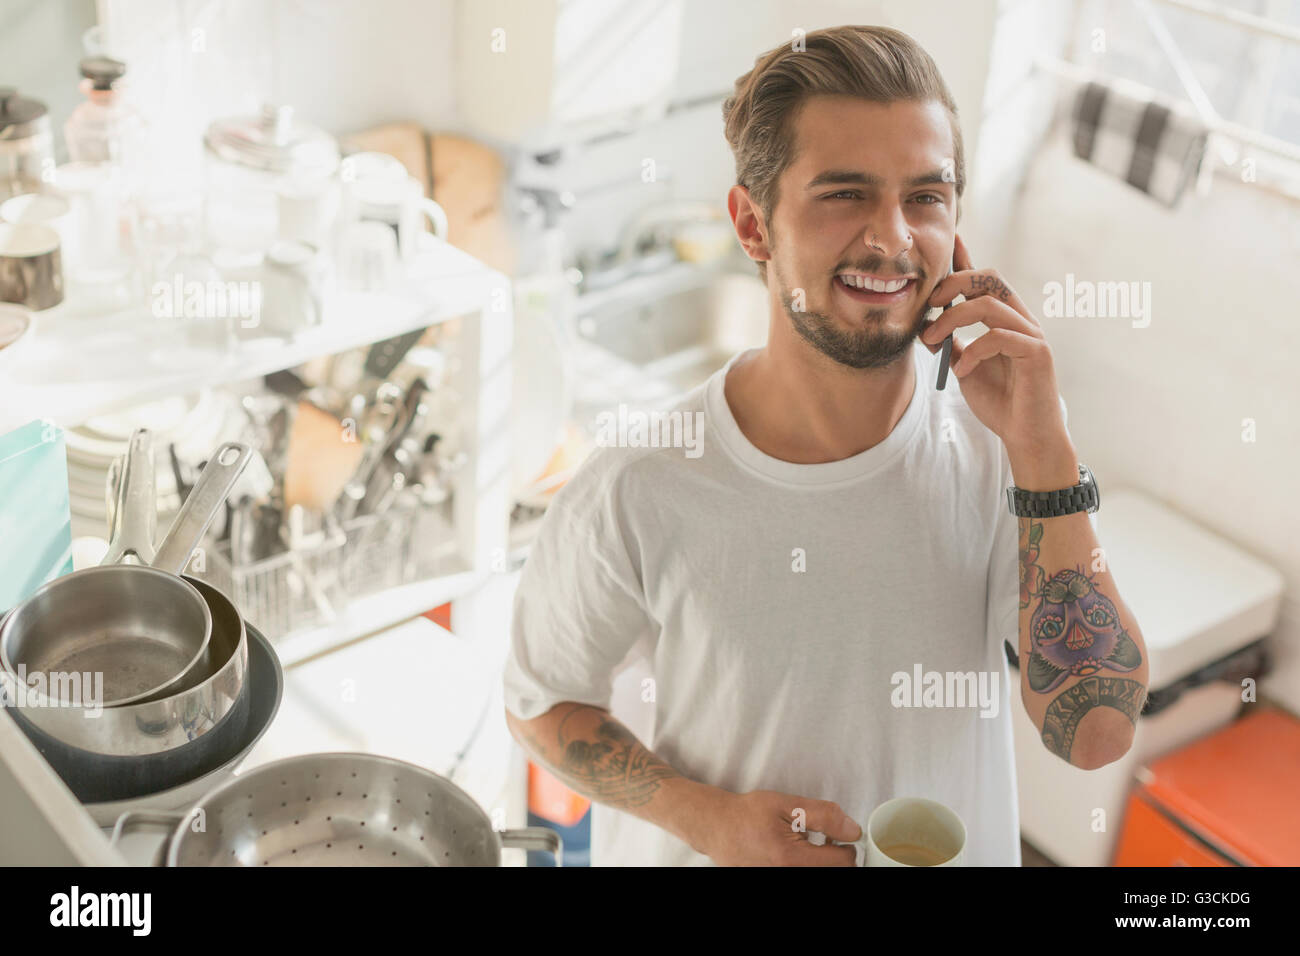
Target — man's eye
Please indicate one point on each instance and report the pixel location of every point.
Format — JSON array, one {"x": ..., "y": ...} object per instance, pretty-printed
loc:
[
  {"x": 932, "y": 199},
  {"x": 843, "y": 192}
]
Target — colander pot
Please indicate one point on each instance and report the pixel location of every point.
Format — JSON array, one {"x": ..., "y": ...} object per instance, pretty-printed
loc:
[{"x": 338, "y": 809}]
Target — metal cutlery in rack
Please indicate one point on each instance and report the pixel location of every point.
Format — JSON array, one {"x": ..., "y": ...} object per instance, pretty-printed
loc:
[
  {"x": 359, "y": 493},
  {"x": 286, "y": 582},
  {"x": 294, "y": 582}
]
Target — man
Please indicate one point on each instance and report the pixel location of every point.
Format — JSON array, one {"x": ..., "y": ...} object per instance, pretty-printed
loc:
[{"x": 839, "y": 556}]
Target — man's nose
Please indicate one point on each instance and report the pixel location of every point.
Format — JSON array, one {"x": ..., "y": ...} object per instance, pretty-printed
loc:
[{"x": 888, "y": 235}]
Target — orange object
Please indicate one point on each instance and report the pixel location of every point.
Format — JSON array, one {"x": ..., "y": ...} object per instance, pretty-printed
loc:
[
  {"x": 440, "y": 615},
  {"x": 1229, "y": 798},
  {"x": 551, "y": 800},
  {"x": 1150, "y": 838}
]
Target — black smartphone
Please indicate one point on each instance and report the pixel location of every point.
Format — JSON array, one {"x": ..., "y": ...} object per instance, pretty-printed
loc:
[{"x": 946, "y": 356}]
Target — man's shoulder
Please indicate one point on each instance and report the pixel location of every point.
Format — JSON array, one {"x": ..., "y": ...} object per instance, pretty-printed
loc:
[{"x": 637, "y": 449}]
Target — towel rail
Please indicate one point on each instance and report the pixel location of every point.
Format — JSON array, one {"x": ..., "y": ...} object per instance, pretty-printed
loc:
[
  {"x": 1237, "y": 18},
  {"x": 1235, "y": 131}
]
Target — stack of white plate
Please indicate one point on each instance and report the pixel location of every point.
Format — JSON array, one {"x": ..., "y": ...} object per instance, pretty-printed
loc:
[{"x": 195, "y": 423}]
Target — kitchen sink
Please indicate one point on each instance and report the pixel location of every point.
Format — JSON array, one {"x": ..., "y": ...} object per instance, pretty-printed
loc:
[{"x": 666, "y": 341}]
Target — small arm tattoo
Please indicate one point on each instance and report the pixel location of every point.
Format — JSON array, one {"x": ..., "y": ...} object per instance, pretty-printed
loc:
[
  {"x": 1061, "y": 721},
  {"x": 992, "y": 285},
  {"x": 600, "y": 758}
]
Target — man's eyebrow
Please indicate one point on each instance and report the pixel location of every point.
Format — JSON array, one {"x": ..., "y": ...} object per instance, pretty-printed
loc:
[{"x": 836, "y": 177}]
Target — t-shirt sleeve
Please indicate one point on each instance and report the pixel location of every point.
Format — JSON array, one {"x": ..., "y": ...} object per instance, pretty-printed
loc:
[{"x": 580, "y": 604}]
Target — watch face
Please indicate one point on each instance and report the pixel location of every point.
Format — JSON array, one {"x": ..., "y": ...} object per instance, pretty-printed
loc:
[{"x": 1090, "y": 479}]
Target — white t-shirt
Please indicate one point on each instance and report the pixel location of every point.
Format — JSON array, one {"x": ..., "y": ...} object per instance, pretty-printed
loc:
[{"x": 774, "y": 602}]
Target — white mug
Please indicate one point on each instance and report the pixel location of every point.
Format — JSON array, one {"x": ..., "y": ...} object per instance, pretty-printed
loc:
[
  {"x": 912, "y": 831},
  {"x": 45, "y": 209},
  {"x": 379, "y": 189}
]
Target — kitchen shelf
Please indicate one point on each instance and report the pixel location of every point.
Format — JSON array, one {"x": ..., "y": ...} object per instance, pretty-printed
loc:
[
  {"x": 76, "y": 366},
  {"x": 377, "y": 612}
]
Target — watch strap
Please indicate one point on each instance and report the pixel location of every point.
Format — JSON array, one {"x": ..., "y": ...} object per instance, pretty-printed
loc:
[{"x": 1054, "y": 504}]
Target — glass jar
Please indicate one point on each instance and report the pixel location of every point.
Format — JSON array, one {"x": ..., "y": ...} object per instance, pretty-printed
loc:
[{"x": 247, "y": 161}]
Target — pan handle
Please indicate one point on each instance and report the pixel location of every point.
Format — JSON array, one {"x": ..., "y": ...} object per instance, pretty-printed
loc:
[
  {"x": 134, "y": 520},
  {"x": 201, "y": 506},
  {"x": 535, "y": 838},
  {"x": 139, "y": 819}
]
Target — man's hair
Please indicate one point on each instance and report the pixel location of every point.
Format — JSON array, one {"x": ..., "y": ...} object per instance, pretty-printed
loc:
[{"x": 875, "y": 63}]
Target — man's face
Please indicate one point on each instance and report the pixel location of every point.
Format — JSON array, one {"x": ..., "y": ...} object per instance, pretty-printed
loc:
[{"x": 871, "y": 193}]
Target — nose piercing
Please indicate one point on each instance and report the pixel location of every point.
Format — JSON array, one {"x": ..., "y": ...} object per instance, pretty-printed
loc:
[{"x": 877, "y": 245}]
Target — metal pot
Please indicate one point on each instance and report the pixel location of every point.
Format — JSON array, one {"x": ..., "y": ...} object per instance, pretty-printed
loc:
[
  {"x": 264, "y": 689},
  {"x": 338, "y": 809},
  {"x": 139, "y": 632},
  {"x": 141, "y": 748}
]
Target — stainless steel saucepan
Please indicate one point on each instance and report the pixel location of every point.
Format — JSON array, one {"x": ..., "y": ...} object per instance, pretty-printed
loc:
[
  {"x": 127, "y": 751},
  {"x": 338, "y": 809},
  {"x": 140, "y": 630},
  {"x": 184, "y": 784}
]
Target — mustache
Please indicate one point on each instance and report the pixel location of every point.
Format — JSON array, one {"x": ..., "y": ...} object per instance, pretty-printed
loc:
[{"x": 877, "y": 266}]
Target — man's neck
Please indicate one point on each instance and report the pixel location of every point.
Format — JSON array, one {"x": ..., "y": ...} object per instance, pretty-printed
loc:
[{"x": 797, "y": 405}]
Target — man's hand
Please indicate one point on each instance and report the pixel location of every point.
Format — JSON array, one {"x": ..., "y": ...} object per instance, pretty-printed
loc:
[
  {"x": 1007, "y": 375},
  {"x": 768, "y": 828}
]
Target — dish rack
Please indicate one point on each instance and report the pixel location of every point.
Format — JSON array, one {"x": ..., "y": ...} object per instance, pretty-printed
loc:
[
  {"x": 310, "y": 586},
  {"x": 284, "y": 592}
]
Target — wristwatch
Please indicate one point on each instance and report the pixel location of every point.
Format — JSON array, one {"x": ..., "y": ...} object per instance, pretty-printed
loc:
[{"x": 1053, "y": 504}]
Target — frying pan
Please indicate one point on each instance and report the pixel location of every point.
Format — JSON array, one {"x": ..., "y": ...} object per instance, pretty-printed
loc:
[
  {"x": 134, "y": 632},
  {"x": 338, "y": 809},
  {"x": 124, "y": 752},
  {"x": 264, "y": 688}
]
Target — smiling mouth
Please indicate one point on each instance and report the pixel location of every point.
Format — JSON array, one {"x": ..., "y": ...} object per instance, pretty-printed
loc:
[{"x": 875, "y": 289}]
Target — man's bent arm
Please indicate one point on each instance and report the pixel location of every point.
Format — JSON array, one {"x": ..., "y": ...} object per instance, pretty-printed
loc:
[
  {"x": 598, "y": 757},
  {"x": 1083, "y": 667}
]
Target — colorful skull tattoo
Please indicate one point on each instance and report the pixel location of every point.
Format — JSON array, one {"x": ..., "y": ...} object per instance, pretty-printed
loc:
[{"x": 1076, "y": 632}]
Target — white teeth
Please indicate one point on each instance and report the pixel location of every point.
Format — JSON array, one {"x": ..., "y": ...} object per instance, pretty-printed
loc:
[{"x": 874, "y": 285}]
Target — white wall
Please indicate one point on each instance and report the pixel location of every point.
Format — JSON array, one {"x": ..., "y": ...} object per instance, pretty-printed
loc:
[
  {"x": 343, "y": 65},
  {"x": 721, "y": 39},
  {"x": 1162, "y": 408}
]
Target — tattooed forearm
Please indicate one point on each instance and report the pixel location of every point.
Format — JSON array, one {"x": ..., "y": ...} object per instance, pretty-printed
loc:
[
  {"x": 606, "y": 761},
  {"x": 1074, "y": 629},
  {"x": 599, "y": 758},
  {"x": 1072, "y": 633},
  {"x": 1064, "y": 713}
]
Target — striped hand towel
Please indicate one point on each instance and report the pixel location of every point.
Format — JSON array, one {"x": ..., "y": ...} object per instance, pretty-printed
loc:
[{"x": 1152, "y": 146}]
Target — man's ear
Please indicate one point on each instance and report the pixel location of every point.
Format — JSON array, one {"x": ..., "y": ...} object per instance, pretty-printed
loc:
[{"x": 747, "y": 219}]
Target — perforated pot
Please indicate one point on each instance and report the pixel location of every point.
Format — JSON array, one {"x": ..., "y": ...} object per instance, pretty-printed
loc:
[{"x": 338, "y": 809}]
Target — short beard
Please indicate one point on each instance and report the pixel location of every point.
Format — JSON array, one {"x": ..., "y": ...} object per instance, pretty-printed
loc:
[{"x": 872, "y": 346}]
